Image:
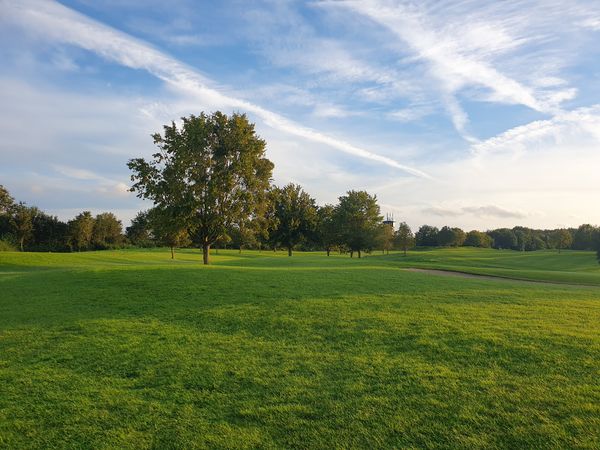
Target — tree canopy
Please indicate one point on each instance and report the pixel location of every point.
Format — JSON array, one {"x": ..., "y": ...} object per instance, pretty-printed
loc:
[
  {"x": 359, "y": 219},
  {"x": 295, "y": 214}
]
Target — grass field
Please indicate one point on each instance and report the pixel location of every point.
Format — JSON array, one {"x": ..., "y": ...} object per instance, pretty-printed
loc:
[{"x": 128, "y": 349}]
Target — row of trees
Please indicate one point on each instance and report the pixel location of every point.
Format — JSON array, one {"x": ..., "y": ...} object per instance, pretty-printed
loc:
[
  {"x": 586, "y": 237},
  {"x": 29, "y": 228},
  {"x": 291, "y": 219},
  {"x": 210, "y": 184}
]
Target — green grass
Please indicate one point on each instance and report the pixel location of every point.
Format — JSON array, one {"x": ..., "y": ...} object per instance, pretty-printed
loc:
[
  {"x": 128, "y": 349},
  {"x": 575, "y": 267}
]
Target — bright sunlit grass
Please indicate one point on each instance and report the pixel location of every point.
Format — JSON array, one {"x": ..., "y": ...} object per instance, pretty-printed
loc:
[{"x": 128, "y": 349}]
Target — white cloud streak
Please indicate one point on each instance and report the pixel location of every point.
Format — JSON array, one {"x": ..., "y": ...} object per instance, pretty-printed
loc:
[
  {"x": 59, "y": 23},
  {"x": 460, "y": 44}
]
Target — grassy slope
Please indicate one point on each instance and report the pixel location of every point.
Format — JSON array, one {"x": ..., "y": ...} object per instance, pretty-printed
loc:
[
  {"x": 567, "y": 267},
  {"x": 128, "y": 349}
]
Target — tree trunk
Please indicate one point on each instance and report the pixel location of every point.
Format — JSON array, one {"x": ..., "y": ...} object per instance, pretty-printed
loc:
[
  {"x": 351, "y": 253},
  {"x": 205, "y": 253},
  {"x": 328, "y": 252},
  {"x": 172, "y": 253},
  {"x": 289, "y": 251},
  {"x": 405, "y": 251},
  {"x": 359, "y": 253},
  {"x": 22, "y": 239}
]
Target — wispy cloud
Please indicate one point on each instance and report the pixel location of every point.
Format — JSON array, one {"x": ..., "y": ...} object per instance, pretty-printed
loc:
[
  {"x": 582, "y": 125},
  {"x": 62, "y": 24},
  {"x": 465, "y": 46}
]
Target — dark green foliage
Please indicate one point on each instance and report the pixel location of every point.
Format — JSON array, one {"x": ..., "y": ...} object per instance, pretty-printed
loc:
[
  {"x": 359, "y": 220},
  {"x": 504, "y": 238},
  {"x": 81, "y": 231},
  {"x": 107, "y": 231},
  {"x": 49, "y": 234},
  {"x": 295, "y": 216},
  {"x": 478, "y": 239},
  {"x": 451, "y": 237},
  {"x": 586, "y": 237},
  {"x": 139, "y": 233},
  {"x": 212, "y": 173},
  {"x": 328, "y": 230},
  {"x": 427, "y": 236}
]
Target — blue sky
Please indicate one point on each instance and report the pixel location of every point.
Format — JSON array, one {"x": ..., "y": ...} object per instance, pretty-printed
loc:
[{"x": 467, "y": 113}]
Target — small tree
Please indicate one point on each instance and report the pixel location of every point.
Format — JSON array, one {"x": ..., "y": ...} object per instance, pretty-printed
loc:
[
  {"x": 404, "y": 237},
  {"x": 81, "y": 230},
  {"x": 168, "y": 229},
  {"x": 212, "y": 171},
  {"x": 296, "y": 216},
  {"x": 562, "y": 239},
  {"x": 386, "y": 237},
  {"x": 22, "y": 222},
  {"x": 359, "y": 218}
]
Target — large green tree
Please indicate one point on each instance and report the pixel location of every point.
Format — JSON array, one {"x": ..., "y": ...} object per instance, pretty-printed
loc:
[
  {"x": 427, "y": 236},
  {"x": 212, "y": 171},
  {"x": 295, "y": 214},
  {"x": 404, "y": 237},
  {"x": 328, "y": 233},
  {"x": 359, "y": 219},
  {"x": 107, "y": 231},
  {"x": 451, "y": 237}
]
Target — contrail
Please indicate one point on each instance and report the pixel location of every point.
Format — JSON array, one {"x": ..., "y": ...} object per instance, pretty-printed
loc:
[{"x": 63, "y": 24}]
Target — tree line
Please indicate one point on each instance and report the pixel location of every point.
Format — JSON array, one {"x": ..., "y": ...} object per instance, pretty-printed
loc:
[
  {"x": 211, "y": 186},
  {"x": 28, "y": 228}
]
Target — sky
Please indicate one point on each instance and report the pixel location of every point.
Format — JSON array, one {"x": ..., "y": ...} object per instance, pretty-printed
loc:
[{"x": 477, "y": 114}]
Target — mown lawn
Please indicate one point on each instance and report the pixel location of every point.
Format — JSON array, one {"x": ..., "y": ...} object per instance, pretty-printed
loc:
[
  {"x": 577, "y": 267},
  {"x": 128, "y": 349}
]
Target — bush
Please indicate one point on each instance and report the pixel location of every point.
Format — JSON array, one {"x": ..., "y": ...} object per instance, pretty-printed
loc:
[{"x": 6, "y": 246}]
